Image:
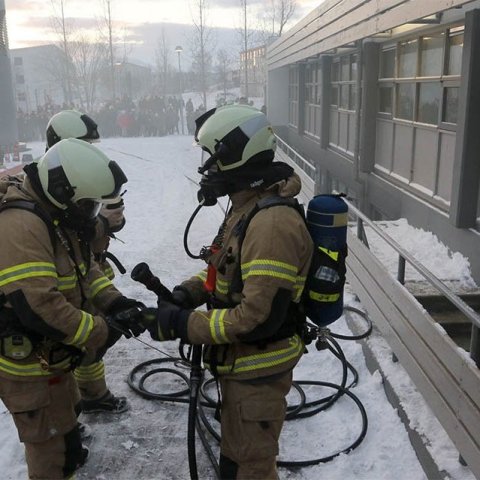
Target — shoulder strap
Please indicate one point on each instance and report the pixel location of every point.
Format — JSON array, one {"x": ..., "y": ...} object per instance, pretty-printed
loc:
[
  {"x": 236, "y": 285},
  {"x": 36, "y": 210}
]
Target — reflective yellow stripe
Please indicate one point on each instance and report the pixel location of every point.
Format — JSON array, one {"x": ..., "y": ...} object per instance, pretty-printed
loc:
[
  {"x": 221, "y": 286},
  {"x": 202, "y": 275},
  {"x": 331, "y": 253},
  {"x": 270, "y": 268},
  {"x": 298, "y": 288},
  {"x": 30, "y": 369},
  {"x": 83, "y": 330},
  {"x": 27, "y": 270},
  {"x": 323, "y": 297},
  {"x": 98, "y": 285},
  {"x": 91, "y": 373},
  {"x": 67, "y": 282},
  {"x": 217, "y": 326},
  {"x": 265, "y": 360},
  {"x": 109, "y": 273},
  {"x": 82, "y": 268}
]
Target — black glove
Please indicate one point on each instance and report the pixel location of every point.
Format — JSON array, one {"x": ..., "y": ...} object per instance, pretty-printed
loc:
[
  {"x": 182, "y": 297},
  {"x": 124, "y": 315},
  {"x": 166, "y": 322}
]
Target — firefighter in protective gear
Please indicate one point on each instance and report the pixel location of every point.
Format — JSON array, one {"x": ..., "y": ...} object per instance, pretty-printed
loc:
[
  {"x": 47, "y": 278},
  {"x": 252, "y": 286},
  {"x": 96, "y": 396}
]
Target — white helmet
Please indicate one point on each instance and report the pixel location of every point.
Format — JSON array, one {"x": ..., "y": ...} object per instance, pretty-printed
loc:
[
  {"x": 235, "y": 135},
  {"x": 71, "y": 124},
  {"x": 77, "y": 177}
]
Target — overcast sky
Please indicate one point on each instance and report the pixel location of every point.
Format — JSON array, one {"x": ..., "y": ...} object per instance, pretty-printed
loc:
[{"x": 29, "y": 21}]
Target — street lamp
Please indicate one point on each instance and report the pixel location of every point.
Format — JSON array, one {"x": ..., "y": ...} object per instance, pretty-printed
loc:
[{"x": 179, "y": 50}]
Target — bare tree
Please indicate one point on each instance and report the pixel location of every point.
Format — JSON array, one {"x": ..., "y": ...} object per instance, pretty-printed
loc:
[
  {"x": 89, "y": 59},
  {"x": 245, "y": 37},
  {"x": 63, "y": 30},
  {"x": 162, "y": 60},
  {"x": 107, "y": 27},
  {"x": 224, "y": 66},
  {"x": 201, "y": 45},
  {"x": 283, "y": 10}
]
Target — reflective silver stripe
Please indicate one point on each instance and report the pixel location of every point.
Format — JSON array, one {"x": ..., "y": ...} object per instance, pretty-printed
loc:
[
  {"x": 27, "y": 270},
  {"x": 265, "y": 360},
  {"x": 95, "y": 371},
  {"x": 98, "y": 285},
  {"x": 83, "y": 330},
  {"x": 271, "y": 268},
  {"x": 30, "y": 369},
  {"x": 221, "y": 286},
  {"x": 217, "y": 326},
  {"x": 67, "y": 282}
]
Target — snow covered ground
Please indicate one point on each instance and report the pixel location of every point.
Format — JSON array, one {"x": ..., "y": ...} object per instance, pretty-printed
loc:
[{"x": 149, "y": 441}]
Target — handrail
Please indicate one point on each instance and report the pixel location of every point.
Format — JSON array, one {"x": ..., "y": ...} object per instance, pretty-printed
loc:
[
  {"x": 473, "y": 316},
  {"x": 285, "y": 146}
]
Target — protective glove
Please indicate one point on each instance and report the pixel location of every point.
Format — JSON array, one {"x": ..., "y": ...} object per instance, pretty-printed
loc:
[
  {"x": 166, "y": 322},
  {"x": 127, "y": 322},
  {"x": 125, "y": 314},
  {"x": 182, "y": 297}
]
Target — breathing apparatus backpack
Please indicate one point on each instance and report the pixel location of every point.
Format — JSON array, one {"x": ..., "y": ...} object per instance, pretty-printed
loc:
[{"x": 326, "y": 220}]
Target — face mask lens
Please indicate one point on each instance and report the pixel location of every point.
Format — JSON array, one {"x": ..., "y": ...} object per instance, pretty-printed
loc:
[{"x": 89, "y": 208}]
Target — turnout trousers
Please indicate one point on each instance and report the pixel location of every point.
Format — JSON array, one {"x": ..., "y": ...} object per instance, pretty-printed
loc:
[
  {"x": 252, "y": 416},
  {"x": 45, "y": 415}
]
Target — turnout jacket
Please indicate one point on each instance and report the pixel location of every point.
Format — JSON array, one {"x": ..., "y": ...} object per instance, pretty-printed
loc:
[
  {"x": 274, "y": 261},
  {"x": 47, "y": 291}
]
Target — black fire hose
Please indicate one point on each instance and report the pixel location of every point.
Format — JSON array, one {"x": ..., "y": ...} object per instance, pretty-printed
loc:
[{"x": 141, "y": 273}]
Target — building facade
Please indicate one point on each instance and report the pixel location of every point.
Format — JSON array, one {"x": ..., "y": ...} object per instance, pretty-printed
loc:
[
  {"x": 254, "y": 61},
  {"x": 381, "y": 98}
]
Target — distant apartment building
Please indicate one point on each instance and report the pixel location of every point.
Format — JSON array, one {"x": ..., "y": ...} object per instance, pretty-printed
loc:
[
  {"x": 254, "y": 61},
  {"x": 36, "y": 76}
]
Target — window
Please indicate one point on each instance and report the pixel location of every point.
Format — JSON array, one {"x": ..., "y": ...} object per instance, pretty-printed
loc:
[
  {"x": 455, "y": 53},
  {"x": 312, "y": 111},
  {"x": 450, "y": 105},
  {"x": 386, "y": 99},
  {"x": 343, "y": 102},
  {"x": 405, "y": 99},
  {"x": 387, "y": 64},
  {"x": 293, "y": 96},
  {"x": 407, "y": 59},
  {"x": 421, "y": 92},
  {"x": 431, "y": 58},
  {"x": 19, "y": 79},
  {"x": 429, "y": 102},
  {"x": 17, "y": 61}
]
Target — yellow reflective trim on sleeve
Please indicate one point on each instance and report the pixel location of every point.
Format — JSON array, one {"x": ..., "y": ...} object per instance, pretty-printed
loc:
[
  {"x": 217, "y": 326},
  {"x": 93, "y": 372},
  {"x": 27, "y": 270},
  {"x": 269, "y": 268},
  {"x": 202, "y": 275},
  {"x": 98, "y": 285},
  {"x": 221, "y": 286},
  {"x": 322, "y": 297},
  {"x": 109, "y": 273},
  {"x": 67, "y": 282},
  {"x": 331, "y": 253},
  {"x": 31, "y": 369},
  {"x": 83, "y": 269},
  {"x": 83, "y": 331}
]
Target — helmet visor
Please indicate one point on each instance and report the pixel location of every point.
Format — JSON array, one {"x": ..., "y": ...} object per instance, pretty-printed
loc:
[
  {"x": 88, "y": 208},
  {"x": 119, "y": 178}
]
